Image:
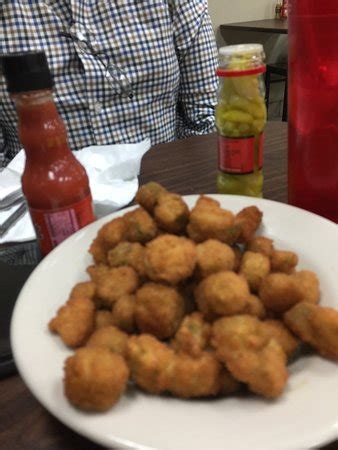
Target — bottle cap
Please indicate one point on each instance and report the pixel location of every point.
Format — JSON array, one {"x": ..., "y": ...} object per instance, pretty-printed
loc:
[
  {"x": 26, "y": 71},
  {"x": 241, "y": 60}
]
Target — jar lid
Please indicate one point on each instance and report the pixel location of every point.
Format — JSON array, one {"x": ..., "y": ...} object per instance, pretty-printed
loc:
[
  {"x": 241, "y": 60},
  {"x": 242, "y": 49}
]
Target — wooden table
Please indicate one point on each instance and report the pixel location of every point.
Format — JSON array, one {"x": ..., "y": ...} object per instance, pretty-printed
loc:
[
  {"x": 187, "y": 166},
  {"x": 279, "y": 26}
]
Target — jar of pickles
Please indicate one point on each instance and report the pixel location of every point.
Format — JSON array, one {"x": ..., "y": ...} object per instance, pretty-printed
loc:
[{"x": 240, "y": 119}]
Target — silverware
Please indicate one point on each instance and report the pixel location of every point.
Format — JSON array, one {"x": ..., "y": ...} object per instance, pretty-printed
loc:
[
  {"x": 12, "y": 219},
  {"x": 11, "y": 199}
]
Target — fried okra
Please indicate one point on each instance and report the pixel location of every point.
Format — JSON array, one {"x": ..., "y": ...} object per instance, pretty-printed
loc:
[
  {"x": 148, "y": 194},
  {"x": 139, "y": 226},
  {"x": 159, "y": 310},
  {"x": 74, "y": 321},
  {"x": 123, "y": 313},
  {"x": 170, "y": 258},
  {"x": 128, "y": 254},
  {"x": 315, "y": 325},
  {"x": 193, "y": 335},
  {"x": 214, "y": 256},
  {"x": 283, "y": 261},
  {"x": 109, "y": 235},
  {"x": 261, "y": 244},
  {"x": 248, "y": 221},
  {"x": 94, "y": 378},
  {"x": 112, "y": 283},
  {"x": 171, "y": 213},
  {"x": 102, "y": 319},
  {"x": 254, "y": 267}
]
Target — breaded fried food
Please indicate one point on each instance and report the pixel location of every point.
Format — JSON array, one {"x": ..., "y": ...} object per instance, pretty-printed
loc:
[
  {"x": 94, "y": 378},
  {"x": 84, "y": 289},
  {"x": 238, "y": 257},
  {"x": 308, "y": 284},
  {"x": 280, "y": 291},
  {"x": 123, "y": 313},
  {"x": 315, "y": 325},
  {"x": 128, "y": 254},
  {"x": 112, "y": 283},
  {"x": 109, "y": 235},
  {"x": 171, "y": 213},
  {"x": 209, "y": 221},
  {"x": 109, "y": 337},
  {"x": 191, "y": 377},
  {"x": 139, "y": 226},
  {"x": 214, "y": 256},
  {"x": 74, "y": 321},
  {"x": 248, "y": 220},
  {"x": 148, "y": 194},
  {"x": 170, "y": 258},
  {"x": 261, "y": 244},
  {"x": 222, "y": 293},
  {"x": 250, "y": 355},
  {"x": 283, "y": 261},
  {"x": 255, "y": 307},
  {"x": 254, "y": 267},
  {"x": 102, "y": 319},
  {"x": 278, "y": 331},
  {"x": 159, "y": 310},
  {"x": 149, "y": 360},
  {"x": 193, "y": 335}
]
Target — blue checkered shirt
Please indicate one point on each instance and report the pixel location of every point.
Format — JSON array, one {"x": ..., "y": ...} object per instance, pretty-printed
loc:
[{"x": 123, "y": 69}]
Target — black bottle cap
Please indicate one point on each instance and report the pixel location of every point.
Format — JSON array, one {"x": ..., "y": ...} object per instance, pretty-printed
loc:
[{"x": 26, "y": 71}]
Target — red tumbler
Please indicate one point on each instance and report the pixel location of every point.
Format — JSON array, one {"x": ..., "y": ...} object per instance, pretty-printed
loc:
[{"x": 313, "y": 106}]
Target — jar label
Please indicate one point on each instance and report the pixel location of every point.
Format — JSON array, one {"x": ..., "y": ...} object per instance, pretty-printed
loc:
[
  {"x": 237, "y": 155},
  {"x": 54, "y": 226}
]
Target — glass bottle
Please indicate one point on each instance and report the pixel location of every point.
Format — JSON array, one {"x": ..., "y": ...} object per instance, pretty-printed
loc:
[
  {"x": 240, "y": 119},
  {"x": 313, "y": 106},
  {"x": 55, "y": 184}
]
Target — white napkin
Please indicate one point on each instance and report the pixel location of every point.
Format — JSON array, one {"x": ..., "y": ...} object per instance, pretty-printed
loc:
[{"x": 112, "y": 172}]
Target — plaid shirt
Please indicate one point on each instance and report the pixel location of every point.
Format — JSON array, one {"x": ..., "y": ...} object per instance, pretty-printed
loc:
[{"x": 162, "y": 50}]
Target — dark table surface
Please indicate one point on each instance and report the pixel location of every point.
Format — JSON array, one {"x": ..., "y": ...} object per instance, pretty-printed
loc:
[
  {"x": 266, "y": 26},
  {"x": 187, "y": 167}
]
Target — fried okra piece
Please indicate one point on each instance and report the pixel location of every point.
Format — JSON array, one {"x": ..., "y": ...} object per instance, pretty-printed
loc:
[
  {"x": 222, "y": 293},
  {"x": 123, "y": 313},
  {"x": 254, "y": 267},
  {"x": 109, "y": 337},
  {"x": 283, "y": 261},
  {"x": 128, "y": 254},
  {"x": 255, "y": 307},
  {"x": 193, "y": 335},
  {"x": 112, "y": 283},
  {"x": 209, "y": 221},
  {"x": 238, "y": 257},
  {"x": 171, "y": 213},
  {"x": 261, "y": 244},
  {"x": 84, "y": 289},
  {"x": 214, "y": 256},
  {"x": 159, "y": 310},
  {"x": 250, "y": 354},
  {"x": 148, "y": 194},
  {"x": 102, "y": 319},
  {"x": 74, "y": 321},
  {"x": 248, "y": 220},
  {"x": 278, "y": 331},
  {"x": 139, "y": 226},
  {"x": 170, "y": 258},
  {"x": 109, "y": 235},
  {"x": 280, "y": 291},
  {"x": 95, "y": 378},
  {"x": 315, "y": 325},
  {"x": 149, "y": 360},
  {"x": 191, "y": 377}
]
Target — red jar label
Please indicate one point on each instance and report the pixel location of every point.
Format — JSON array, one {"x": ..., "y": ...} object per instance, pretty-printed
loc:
[
  {"x": 53, "y": 227},
  {"x": 237, "y": 155}
]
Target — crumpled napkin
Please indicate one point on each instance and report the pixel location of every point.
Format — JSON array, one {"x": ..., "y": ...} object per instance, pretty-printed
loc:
[{"x": 112, "y": 172}]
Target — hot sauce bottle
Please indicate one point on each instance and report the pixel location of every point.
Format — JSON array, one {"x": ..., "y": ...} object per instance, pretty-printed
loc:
[{"x": 55, "y": 184}]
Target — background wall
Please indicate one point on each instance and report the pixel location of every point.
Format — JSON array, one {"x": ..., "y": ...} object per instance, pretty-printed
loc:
[{"x": 275, "y": 45}]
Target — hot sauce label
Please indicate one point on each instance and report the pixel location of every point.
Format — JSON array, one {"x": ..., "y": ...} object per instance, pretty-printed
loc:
[
  {"x": 237, "y": 155},
  {"x": 53, "y": 227}
]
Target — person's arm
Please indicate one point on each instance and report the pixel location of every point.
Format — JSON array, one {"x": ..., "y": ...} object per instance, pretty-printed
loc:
[{"x": 197, "y": 54}]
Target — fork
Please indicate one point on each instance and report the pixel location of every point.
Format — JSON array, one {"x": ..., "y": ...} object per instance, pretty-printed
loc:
[{"x": 12, "y": 219}]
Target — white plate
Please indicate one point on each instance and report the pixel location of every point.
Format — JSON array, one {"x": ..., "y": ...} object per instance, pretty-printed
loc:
[{"x": 305, "y": 416}]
